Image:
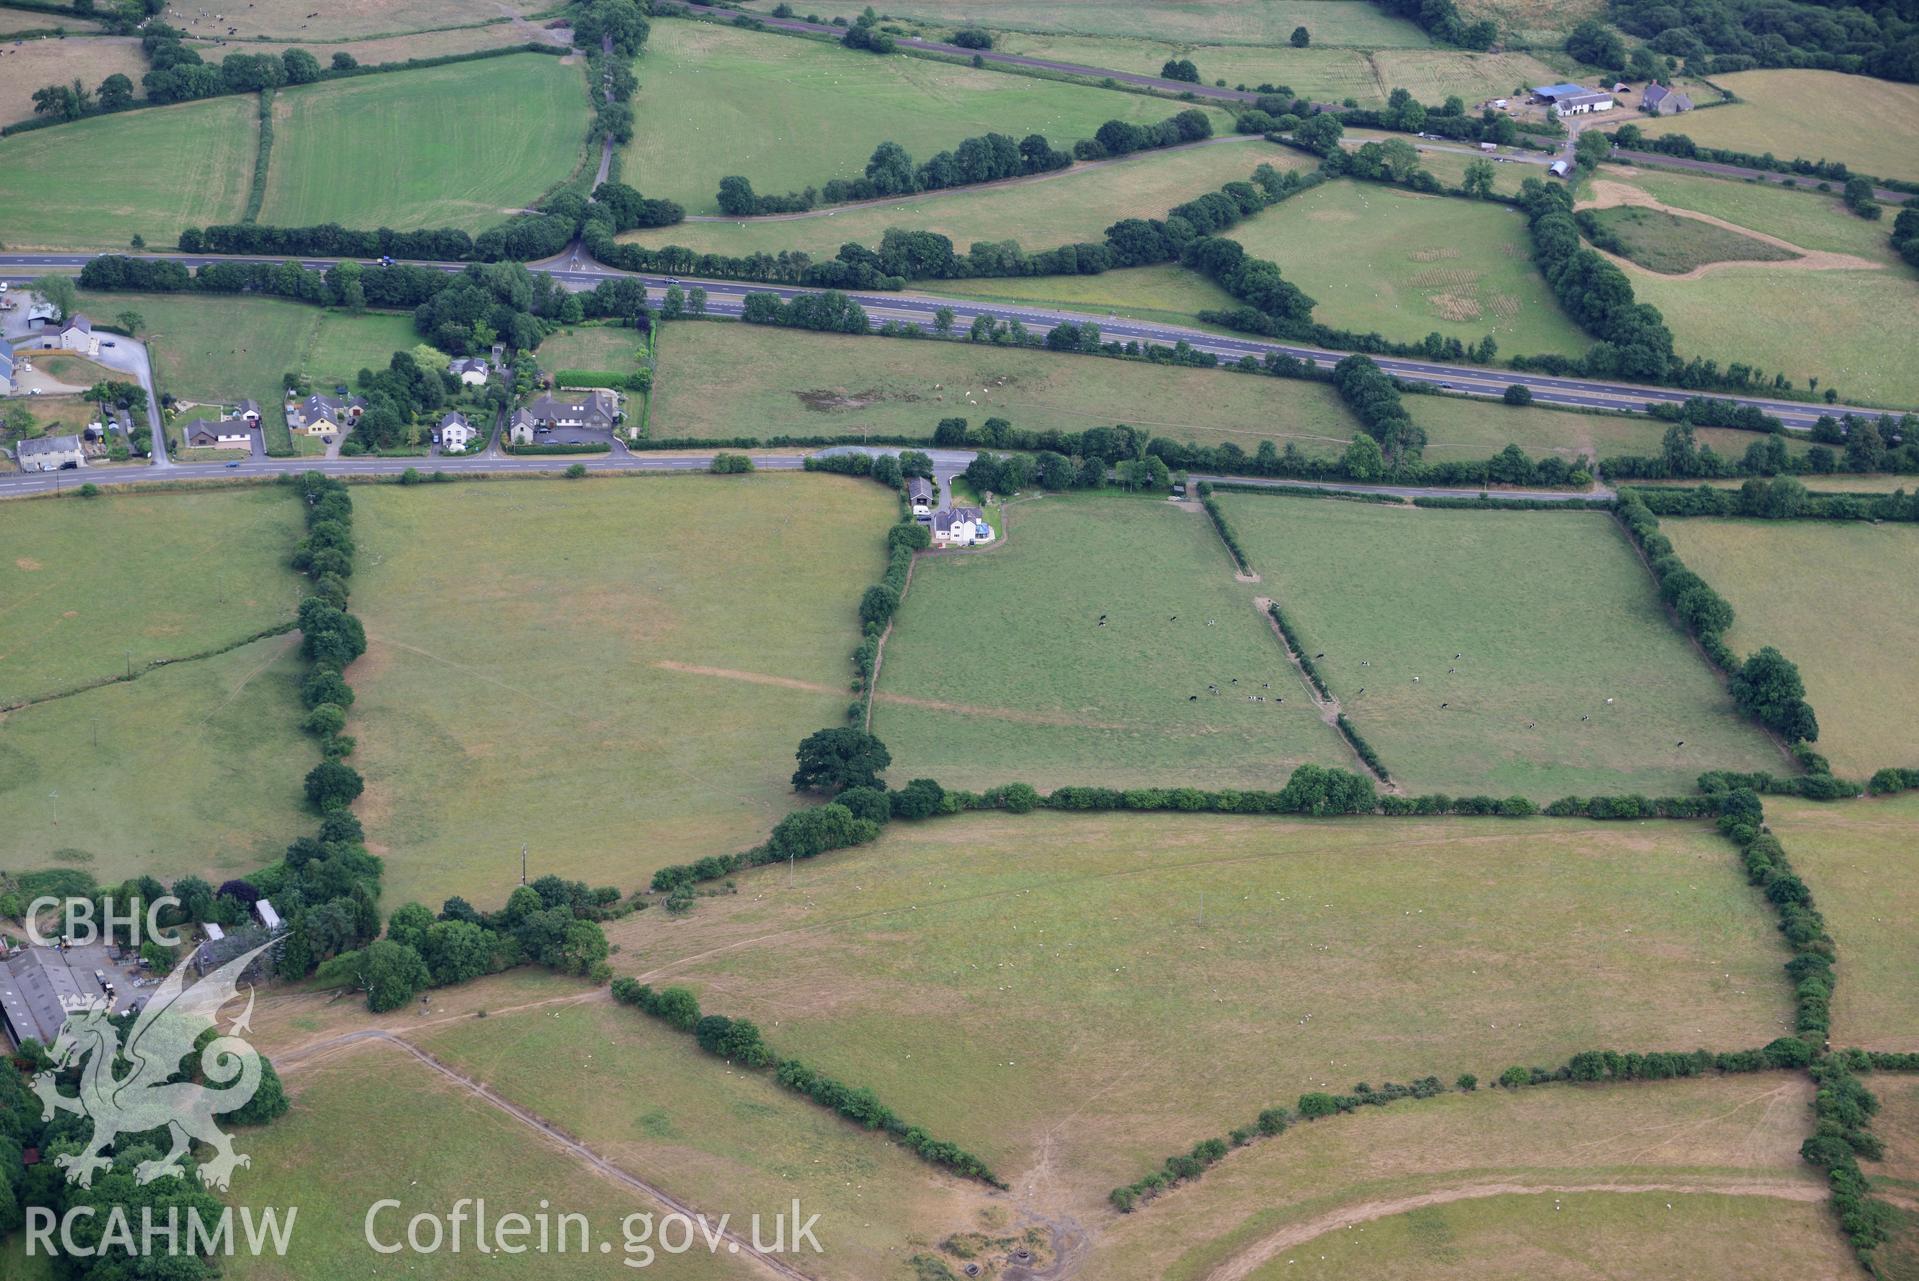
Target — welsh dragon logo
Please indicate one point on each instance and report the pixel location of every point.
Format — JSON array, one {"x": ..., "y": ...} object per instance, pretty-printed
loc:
[{"x": 143, "y": 1099}]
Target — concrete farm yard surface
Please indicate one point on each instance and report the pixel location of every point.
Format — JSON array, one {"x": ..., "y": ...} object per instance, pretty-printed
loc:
[
  {"x": 722, "y": 381},
  {"x": 1552, "y": 614},
  {"x": 1780, "y": 579},
  {"x": 789, "y": 113},
  {"x": 172, "y": 167},
  {"x": 1051, "y": 991},
  {"x": 455, "y": 146},
  {"x": 998, "y": 669},
  {"x": 1861, "y": 857},
  {"x": 548, "y": 695}
]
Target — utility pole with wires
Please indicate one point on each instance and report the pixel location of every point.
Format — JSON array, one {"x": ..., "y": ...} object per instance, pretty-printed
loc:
[{"x": 523, "y": 862}]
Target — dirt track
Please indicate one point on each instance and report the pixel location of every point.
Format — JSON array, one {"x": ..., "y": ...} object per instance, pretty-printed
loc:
[{"x": 1607, "y": 195}]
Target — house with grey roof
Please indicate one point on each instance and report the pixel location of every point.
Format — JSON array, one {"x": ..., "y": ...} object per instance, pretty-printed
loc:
[
  {"x": 50, "y": 453},
  {"x": 321, "y": 414},
  {"x": 249, "y": 410},
  {"x": 1658, "y": 100},
  {"x": 520, "y": 427},
  {"x": 77, "y": 335},
  {"x": 454, "y": 433},
  {"x": 961, "y": 527},
  {"x": 226, "y": 433},
  {"x": 6, "y": 368},
  {"x": 597, "y": 409},
  {"x": 470, "y": 370}
]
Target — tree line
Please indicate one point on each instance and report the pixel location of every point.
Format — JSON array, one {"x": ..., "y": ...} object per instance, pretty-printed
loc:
[
  {"x": 1715, "y": 37},
  {"x": 1778, "y": 499}
]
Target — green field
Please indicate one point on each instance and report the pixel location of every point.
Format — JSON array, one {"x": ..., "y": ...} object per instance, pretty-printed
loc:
[
  {"x": 726, "y": 380},
  {"x": 1812, "y": 115},
  {"x": 221, "y": 349},
  {"x": 598, "y": 347},
  {"x": 194, "y": 768},
  {"x": 1146, "y": 293},
  {"x": 1789, "y": 583},
  {"x": 172, "y": 167},
  {"x": 1227, "y": 21},
  {"x": 787, "y": 113},
  {"x": 726, "y": 1140},
  {"x": 455, "y": 146},
  {"x": 377, "y": 1124},
  {"x": 1078, "y": 204},
  {"x": 616, "y": 672},
  {"x": 1807, "y": 218},
  {"x": 998, "y": 671},
  {"x": 1472, "y": 428},
  {"x": 1847, "y": 328},
  {"x": 89, "y": 587},
  {"x": 1715, "y": 1135},
  {"x": 292, "y": 20},
  {"x": 1386, "y": 260},
  {"x": 1096, "y": 991},
  {"x": 1552, "y": 614},
  {"x": 1859, "y": 858},
  {"x": 1673, "y": 245}
]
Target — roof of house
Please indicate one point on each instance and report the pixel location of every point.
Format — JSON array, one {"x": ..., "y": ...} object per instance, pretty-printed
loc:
[
  {"x": 968, "y": 513},
  {"x": 48, "y": 445},
  {"x": 78, "y": 320},
  {"x": 249, "y": 407},
  {"x": 943, "y": 522},
  {"x": 596, "y": 403},
  {"x": 523, "y": 418},
  {"x": 320, "y": 405},
  {"x": 37, "y": 988},
  {"x": 200, "y": 427},
  {"x": 455, "y": 419},
  {"x": 476, "y": 364},
  {"x": 1658, "y": 93},
  {"x": 1559, "y": 90}
]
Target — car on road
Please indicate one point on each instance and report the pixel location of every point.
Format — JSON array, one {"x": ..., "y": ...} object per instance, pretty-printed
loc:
[
  {"x": 109, "y": 344},
  {"x": 233, "y": 464}
]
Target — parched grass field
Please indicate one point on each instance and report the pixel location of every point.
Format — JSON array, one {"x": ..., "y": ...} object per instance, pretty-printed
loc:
[
  {"x": 787, "y": 113},
  {"x": 1858, "y": 858},
  {"x": 195, "y": 767},
  {"x": 1540, "y": 23},
  {"x": 1369, "y": 1169},
  {"x": 1383, "y": 259},
  {"x": 1847, "y": 328},
  {"x": 209, "y": 348},
  {"x": 1076, "y": 996},
  {"x": 456, "y": 146},
  {"x": 616, "y": 672},
  {"x": 1834, "y": 598},
  {"x": 1144, "y": 293},
  {"x": 34, "y": 64},
  {"x": 998, "y": 671},
  {"x": 1673, "y": 245},
  {"x": 1629, "y": 1235},
  {"x": 1813, "y": 115},
  {"x": 726, "y": 380},
  {"x": 398, "y": 48},
  {"x": 1552, "y": 614},
  {"x": 1225, "y": 21},
  {"x": 86, "y": 584},
  {"x": 726, "y": 1140},
  {"x": 14, "y": 21},
  {"x": 296, "y": 20},
  {"x": 1078, "y": 204},
  {"x": 1897, "y": 1125},
  {"x": 172, "y": 167},
  {"x": 377, "y": 1124}
]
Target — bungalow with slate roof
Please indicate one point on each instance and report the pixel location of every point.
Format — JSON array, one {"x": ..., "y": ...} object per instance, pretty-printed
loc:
[
  {"x": 50, "y": 453},
  {"x": 227, "y": 433},
  {"x": 454, "y": 433},
  {"x": 320, "y": 414},
  {"x": 470, "y": 370},
  {"x": 6, "y": 368},
  {"x": 1658, "y": 100}
]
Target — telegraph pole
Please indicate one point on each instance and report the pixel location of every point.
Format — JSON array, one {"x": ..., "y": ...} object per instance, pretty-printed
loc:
[{"x": 523, "y": 862}]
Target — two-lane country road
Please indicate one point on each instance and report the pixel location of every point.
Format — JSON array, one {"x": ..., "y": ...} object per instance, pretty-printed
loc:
[{"x": 575, "y": 270}]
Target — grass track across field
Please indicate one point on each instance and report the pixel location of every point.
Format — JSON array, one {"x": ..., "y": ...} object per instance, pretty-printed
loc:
[
  {"x": 170, "y": 167},
  {"x": 787, "y": 113},
  {"x": 998, "y": 671},
  {"x": 1099, "y": 991},
  {"x": 456, "y": 146},
  {"x": 1836, "y": 598},
  {"x": 532, "y": 703},
  {"x": 1552, "y": 614}
]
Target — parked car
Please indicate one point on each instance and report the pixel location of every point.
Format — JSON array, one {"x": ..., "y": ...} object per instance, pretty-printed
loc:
[{"x": 107, "y": 343}]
